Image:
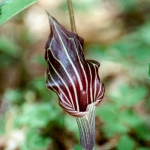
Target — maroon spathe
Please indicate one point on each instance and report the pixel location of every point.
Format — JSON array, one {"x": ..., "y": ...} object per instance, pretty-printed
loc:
[{"x": 74, "y": 79}]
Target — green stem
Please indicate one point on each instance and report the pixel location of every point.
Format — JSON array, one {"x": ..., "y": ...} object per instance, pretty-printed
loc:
[
  {"x": 86, "y": 125},
  {"x": 71, "y": 14}
]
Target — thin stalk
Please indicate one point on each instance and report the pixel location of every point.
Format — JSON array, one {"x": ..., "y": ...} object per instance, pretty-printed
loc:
[
  {"x": 71, "y": 14},
  {"x": 86, "y": 125}
]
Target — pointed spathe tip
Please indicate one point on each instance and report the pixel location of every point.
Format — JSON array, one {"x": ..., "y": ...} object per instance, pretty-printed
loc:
[
  {"x": 49, "y": 17},
  {"x": 47, "y": 12}
]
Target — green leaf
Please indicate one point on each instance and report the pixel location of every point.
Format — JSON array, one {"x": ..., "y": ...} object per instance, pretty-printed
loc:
[
  {"x": 149, "y": 69},
  {"x": 130, "y": 118},
  {"x": 128, "y": 5},
  {"x": 40, "y": 88},
  {"x": 142, "y": 132},
  {"x": 39, "y": 60},
  {"x": 142, "y": 148},
  {"x": 112, "y": 129},
  {"x": 12, "y": 8},
  {"x": 138, "y": 95},
  {"x": 14, "y": 96},
  {"x": 77, "y": 147},
  {"x": 108, "y": 113},
  {"x": 9, "y": 48},
  {"x": 4, "y": 2},
  {"x": 35, "y": 141},
  {"x": 71, "y": 125},
  {"x": 32, "y": 113},
  {"x": 126, "y": 143},
  {"x": 129, "y": 96}
]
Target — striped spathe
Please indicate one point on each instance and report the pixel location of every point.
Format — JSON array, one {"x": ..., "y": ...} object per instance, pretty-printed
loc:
[{"x": 69, "y": 74}]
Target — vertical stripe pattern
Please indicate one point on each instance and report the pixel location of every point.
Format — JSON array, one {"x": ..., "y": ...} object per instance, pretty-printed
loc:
[
  {"x": 74, "y": 79},
  {"x": 86, "y": 125}
]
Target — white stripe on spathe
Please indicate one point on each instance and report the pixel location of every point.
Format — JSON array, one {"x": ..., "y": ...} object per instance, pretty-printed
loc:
[
  {"x": 102, "y": 94},
  {"x": 58, "y": 95},
  {"x": 63, "y": 83},
  {"x": 74, "y": 88},
  {"x": 76, "y": 72},
  {"x": 82, "y": 69},
  {"x": 72, "y": 39},
  {"x": 74, "y": 68},
  {"x": 95, "y": 80},
  {"x": 91, "y": 94},
  {"x": 69, "y": 103},
  {"x": 79, "y": 81}
]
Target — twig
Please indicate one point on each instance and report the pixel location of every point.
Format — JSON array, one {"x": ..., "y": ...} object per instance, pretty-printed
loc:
[{"x": 71, "y": 14}]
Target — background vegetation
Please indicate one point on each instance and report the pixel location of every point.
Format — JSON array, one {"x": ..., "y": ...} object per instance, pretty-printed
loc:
[{"x": 117, "y": 34}]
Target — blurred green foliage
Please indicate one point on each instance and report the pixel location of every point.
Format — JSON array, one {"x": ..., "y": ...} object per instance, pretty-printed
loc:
[
  {"x": 35, "y": 141},
  {"x": 9, "y": 51},
  {"x": 118, "y": 113},
  {"x": 126, "y": 142},
  {"x": 149, "y": 69},
  {"x": 124, "y": 112}
]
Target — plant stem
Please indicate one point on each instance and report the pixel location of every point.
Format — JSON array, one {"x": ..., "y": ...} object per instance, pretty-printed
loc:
[
  {"x": 71, "y": 14},
  {"x": 86, "y": 125}
]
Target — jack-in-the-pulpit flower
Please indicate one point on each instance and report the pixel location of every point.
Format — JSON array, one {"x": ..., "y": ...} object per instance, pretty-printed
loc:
[{"x": 74, "y": 79}]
